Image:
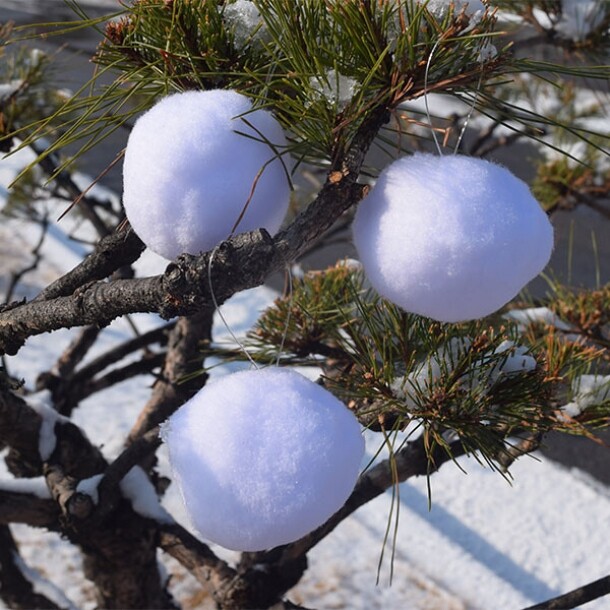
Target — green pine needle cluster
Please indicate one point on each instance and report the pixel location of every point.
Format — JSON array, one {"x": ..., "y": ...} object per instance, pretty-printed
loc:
[
  {"x": 399, "y": 370},
  {"x": 321, "y": 66},
  {"x": 25, "y": 91}
]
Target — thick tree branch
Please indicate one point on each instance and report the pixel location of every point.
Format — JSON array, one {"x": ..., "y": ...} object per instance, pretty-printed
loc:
[
  {"x": 239, "y": 263},
  {"x": 19, "y": 507},
  {"x": 183, "y": 289},
  {"x": 16, "y": 591},
  {"x": 112, "y": 252},
  {"x": 213, "y": 573},
  {"x": 576, "y": 597},
  {"x": 183, "y": 360}
]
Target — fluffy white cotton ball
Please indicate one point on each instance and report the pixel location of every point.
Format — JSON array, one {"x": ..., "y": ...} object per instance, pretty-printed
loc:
[
  {"x": 452, "y": 238},
  {"x": 188, "y": 173},
  {"x": 263, "y": 457}
]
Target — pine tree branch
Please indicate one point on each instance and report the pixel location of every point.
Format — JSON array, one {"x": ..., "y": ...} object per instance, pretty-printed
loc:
[
  {"x": 20, "y": 507},
  {"x": 183, "y": 360},
  {"x": 16, "y": 591},
  {"x": 112, "y": 252},
  {"x": 213, "y": 573},
  {"x": 239, "y": 263},
  {"x": 72, "y": 356},
  {"x": 576, "y": 597}
]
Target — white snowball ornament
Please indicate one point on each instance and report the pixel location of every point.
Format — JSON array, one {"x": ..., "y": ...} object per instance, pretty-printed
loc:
[
  {"x": 263, "y": 457},
  {"x": 189, "y": 172},
  {"x": 452, "y": 238}
]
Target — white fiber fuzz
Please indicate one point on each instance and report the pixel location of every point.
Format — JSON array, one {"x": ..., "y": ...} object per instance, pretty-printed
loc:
[
  {"x": 189, "y": 174},
  {"x": 263, "y": 457},
  {"x": 452, "y": 238}
]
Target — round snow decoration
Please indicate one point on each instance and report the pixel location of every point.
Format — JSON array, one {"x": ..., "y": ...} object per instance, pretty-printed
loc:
[
  {"x": 194, "y": 162},
  {"x": 452, "y": 238},
  {"x": 263, "y": 457}
]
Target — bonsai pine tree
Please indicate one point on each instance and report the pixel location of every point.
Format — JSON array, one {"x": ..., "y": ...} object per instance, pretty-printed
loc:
[{"x": 228, "y": 104}]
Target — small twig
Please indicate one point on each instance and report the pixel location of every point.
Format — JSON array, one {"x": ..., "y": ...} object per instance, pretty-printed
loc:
[
  {"x": 75, "y": 352},
  {"x": 69, "y": 388},
  {"x": 505, "y": 140},
  {"x": 36, "y": 253},
  {"x": 119, "y": 249},
  {"x": 82, "y": 196},
  {"x": 68, "y": 393},
  {"x": 112, "y": 356},
  {"x": 484, "y": 135},
  {"x": 143, "y": 366},
  {"x": 576, "y": 597},
  {"x": 49, "y": 164}
]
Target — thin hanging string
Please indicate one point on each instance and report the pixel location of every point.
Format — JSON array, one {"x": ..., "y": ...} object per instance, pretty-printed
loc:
[
  {"x": 224, "y": 321},
  {"x": 470, "y": 112},
  {"x": 428, "y": 63},
  {"x": 290, "y": 300},
  {"x": 472, "y": 107}
]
